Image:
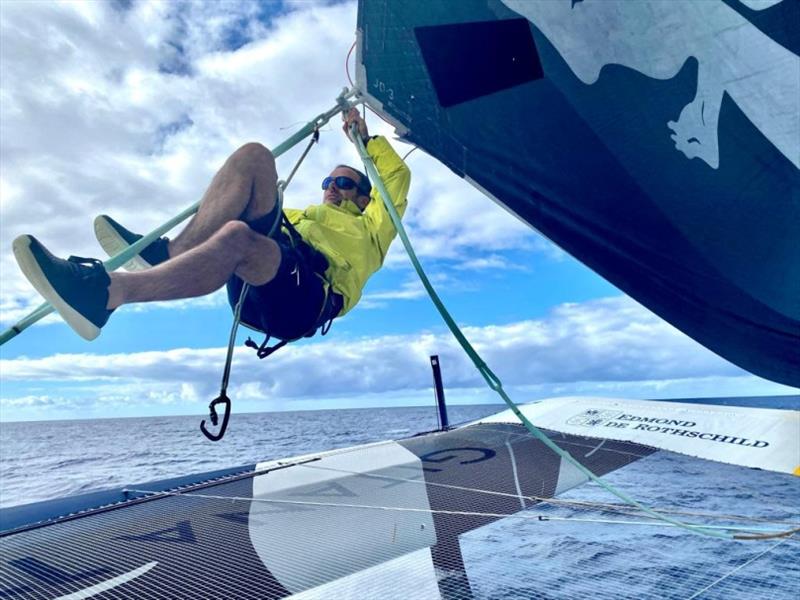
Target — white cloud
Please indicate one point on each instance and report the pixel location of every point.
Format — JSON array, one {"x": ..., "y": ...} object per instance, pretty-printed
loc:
[
  {"x": 213, "y": 300},
  {"x": 611, "y": 346},
  {"x": 493, "y": 262},
  {"x": 130, "y": 113},
  {"x": 447, "y": 216},
  {"x": 409, "y": 289}
]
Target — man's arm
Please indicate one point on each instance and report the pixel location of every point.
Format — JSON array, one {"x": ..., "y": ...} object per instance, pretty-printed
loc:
[{"x": 397, "y": 179}]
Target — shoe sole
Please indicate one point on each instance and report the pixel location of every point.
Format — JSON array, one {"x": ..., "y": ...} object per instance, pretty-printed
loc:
[
  {"x": 113, "y": 243},
  {"x": 31, "y": 269}
]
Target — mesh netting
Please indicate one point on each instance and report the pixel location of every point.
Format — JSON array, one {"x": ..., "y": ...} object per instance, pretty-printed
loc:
[
  {"x": 586, "y": 546},
  {"x": 462, "y": 514}
]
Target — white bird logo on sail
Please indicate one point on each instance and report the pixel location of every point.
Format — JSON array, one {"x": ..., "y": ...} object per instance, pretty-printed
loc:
[{"x": 656, "y": 38}]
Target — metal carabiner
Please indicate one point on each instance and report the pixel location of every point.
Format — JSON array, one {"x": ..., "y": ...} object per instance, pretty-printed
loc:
[{"x": 212, "y": 414}]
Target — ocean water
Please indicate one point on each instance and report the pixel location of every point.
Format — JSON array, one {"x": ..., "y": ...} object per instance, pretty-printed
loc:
[
  {"x": 583, "y": 553},
  {"x": 50, "y": 459},
  {"x": 573, "y": 553}
]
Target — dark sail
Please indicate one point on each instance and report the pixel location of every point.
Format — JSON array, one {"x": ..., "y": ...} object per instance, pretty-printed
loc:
[{"x": 657, "y": 142}]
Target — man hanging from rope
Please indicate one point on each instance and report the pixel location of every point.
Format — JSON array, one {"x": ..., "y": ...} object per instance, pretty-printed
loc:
[{"x": 303, "y": 275}]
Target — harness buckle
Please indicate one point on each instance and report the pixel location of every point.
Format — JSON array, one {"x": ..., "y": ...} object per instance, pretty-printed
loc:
[{"x": 264, "y": 350}]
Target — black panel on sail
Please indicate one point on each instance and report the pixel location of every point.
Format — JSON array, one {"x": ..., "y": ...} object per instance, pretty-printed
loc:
[{"x": 469, "y": 60}]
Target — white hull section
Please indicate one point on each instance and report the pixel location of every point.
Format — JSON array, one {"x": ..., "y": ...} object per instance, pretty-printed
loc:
[{"x": 762, "y": 438}]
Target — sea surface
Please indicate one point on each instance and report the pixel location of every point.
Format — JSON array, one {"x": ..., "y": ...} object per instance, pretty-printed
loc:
[
  {"x": 49, "y": 459},
  {"x": 556, "y": 551}
]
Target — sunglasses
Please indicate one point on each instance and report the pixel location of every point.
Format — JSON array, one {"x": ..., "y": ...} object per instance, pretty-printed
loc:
[{"x": 343, "y": 183}]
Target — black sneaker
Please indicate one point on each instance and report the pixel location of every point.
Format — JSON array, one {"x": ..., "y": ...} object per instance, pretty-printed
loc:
[
  {"x": 114, "y": 238},
  {"x": 77, "y": 288}
]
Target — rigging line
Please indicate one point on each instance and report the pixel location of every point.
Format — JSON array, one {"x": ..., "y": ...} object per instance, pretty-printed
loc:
[
  {"x": 290, "y": 126},
  {"x": 622, "y": 508},
  {"x": 609, "y": 507},
  {"x": 491, "y": 379},
  {"x": 433, "y": 484},
  {"x": 377, "y": 114},
  {"x": 719, "y": 580},
  {"x": 347, "y": 64},
  {"x": 365, "y": 106},
  {"x": 514, "y": 471},
  {"x": 223, "y": 398},
  {"x": 567, "y": 442},
  {"x": 345, "y": 505},
  {"x": 314, "y": 139},
  {"x": 596, "y": 448},
  {"x": 626, "y": 509},
  {"x": 584, "y": 442},
  {"x": 767, "y": 536},
  {"x": 461, "y": 513},
  {"x": 409, "y": 152},
  {"x": 710, "y": 515},
  {"x": 651, "y": 524},
  {"x": 352, "y": 85}
]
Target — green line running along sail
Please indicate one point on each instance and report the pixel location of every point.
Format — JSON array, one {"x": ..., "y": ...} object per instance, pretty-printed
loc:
[{"x": 657, "y": 142}]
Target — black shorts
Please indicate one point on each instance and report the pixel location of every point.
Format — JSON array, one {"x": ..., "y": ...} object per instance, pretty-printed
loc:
[{"x": 294, "y": 303}]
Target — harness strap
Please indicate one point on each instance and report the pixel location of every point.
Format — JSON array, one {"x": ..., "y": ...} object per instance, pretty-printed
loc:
[{"x": 264, "y": 350}]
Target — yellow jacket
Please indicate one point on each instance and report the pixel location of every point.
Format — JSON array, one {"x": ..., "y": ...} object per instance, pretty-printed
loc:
[{"x": 356, "y": 243}]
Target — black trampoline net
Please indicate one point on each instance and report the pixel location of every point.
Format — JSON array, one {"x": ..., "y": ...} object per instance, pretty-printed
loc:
[{"x": 484, "y": 511}]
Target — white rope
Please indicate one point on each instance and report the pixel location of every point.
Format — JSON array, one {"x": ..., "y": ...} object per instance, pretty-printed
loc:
[
  {"x": 516, "y": 475},
  {"x": 715, "y": 582},
  {"x": 607, "y": 507},
  {"x": 578, "y": 504},
  {"x": 526, "y": 517},
  {"x": 651, "y": 523},
  {"x": 341, "y": 505},
  {"x": 621, "y": 508}
]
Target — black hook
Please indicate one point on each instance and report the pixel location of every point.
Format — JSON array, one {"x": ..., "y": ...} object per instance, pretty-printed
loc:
[{"x": 212, "y": 413}]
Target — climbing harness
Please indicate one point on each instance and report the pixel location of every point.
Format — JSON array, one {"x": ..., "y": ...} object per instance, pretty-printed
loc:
[{"x": 264, "y": 349}]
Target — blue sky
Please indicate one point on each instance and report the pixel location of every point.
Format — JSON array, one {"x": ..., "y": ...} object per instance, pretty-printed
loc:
[{"x": 127, "y": 108}]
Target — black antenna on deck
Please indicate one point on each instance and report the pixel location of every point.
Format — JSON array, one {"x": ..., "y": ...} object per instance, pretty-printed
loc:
[{"x": 444, "y": 424}]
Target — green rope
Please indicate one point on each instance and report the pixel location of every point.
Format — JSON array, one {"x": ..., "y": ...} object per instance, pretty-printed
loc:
[{"x": 491, "y": 379}]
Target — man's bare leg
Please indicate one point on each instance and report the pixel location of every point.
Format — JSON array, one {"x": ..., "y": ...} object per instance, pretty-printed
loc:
[
  {"x": 233, "y": 249},
  {"x": 244, "y": 188}
]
